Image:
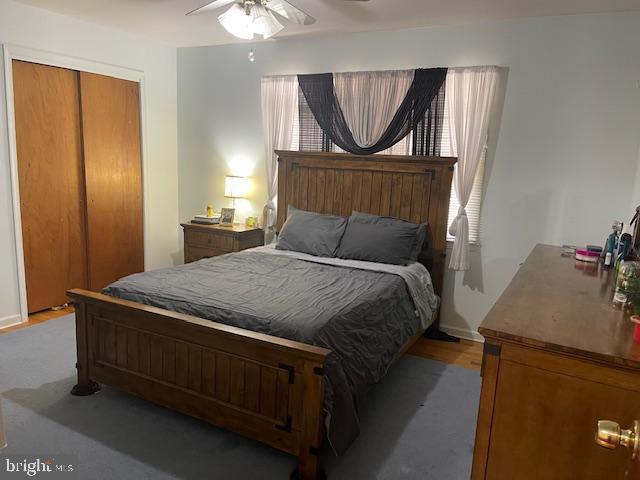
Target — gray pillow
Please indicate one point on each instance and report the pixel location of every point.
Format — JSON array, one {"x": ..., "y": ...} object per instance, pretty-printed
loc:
[
  {"x": 420, "y": 229},
  {"x": 378, "y": 242},
  {"x": 312, "y": 233}
]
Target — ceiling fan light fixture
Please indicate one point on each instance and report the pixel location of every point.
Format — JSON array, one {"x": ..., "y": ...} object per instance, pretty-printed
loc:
[
  {"x": 237, "y": 22},
  {"x": 264, "y": 22}
]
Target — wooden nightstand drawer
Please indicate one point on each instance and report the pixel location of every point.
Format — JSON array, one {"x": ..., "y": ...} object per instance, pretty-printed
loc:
[
  {"x": 193, "y": 254},
  {"x": 205, "y": 239}
]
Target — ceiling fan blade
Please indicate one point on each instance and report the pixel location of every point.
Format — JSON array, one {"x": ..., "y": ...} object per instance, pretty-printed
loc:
[
  {"x": 211, "y": 6},
  {"x": 291, "y": 13}
]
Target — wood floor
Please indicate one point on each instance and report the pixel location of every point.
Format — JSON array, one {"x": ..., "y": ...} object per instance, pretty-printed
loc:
[
  {"x": 40, "y": 317},
  {"x": 466, "y": 354}
]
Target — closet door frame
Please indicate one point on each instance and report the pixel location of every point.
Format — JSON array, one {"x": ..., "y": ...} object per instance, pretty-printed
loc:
[{"x": 15, "y": 52}]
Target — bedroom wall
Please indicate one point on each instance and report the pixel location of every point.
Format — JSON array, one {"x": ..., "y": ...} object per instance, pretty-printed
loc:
[
  {"x": 30, "y": 27},
  {"x": 561, "y": 164}
]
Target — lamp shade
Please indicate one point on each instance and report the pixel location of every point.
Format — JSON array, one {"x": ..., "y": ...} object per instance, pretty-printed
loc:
[
  {"x": 237, "y": 22},
  {"x": 264, "y": 22},
  {"x": 3, "y": 438},
  {"x": 236, "y": 187}
]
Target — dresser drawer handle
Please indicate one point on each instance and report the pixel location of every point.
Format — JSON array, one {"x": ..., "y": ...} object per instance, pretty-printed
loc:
[{"x": 610, "y": 435}]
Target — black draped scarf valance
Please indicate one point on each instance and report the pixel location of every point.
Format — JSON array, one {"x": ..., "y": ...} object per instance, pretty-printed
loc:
[{"x": 319, "y": 93}]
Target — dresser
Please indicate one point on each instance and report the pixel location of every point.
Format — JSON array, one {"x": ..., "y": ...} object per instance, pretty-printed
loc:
[
  {"x": 558, "y": 358},
  {"x": 204, "y": 241}
]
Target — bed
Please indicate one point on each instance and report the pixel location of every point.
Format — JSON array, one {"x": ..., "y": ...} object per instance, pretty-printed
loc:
[{"x": 282, "y": 385}]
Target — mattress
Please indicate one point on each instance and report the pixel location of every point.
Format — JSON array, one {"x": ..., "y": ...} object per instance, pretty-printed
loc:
[{"x": 364, "y": 316}]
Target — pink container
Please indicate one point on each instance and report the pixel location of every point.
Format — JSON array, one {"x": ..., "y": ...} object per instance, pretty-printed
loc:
[
  {"x": 636, "y": 331},
  {"x": 585, "y": 255}
]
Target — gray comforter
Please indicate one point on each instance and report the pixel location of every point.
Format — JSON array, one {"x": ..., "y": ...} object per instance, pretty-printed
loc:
[{"x": 363, "y": 316}]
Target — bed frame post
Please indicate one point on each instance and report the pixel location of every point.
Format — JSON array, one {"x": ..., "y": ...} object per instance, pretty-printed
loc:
[
  {"x": 312, "y": 424},
  {"x": 85, "y": 386}
]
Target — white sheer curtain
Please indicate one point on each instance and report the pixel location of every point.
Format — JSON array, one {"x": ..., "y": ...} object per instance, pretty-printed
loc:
[
  {"x": 469, "y": 98},
  {"x": 369, "y": 101},
  {"x": 279, "y": 113}
]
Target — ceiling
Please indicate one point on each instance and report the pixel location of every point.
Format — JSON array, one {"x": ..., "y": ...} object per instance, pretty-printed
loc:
[{"x": 165, "y": 20}]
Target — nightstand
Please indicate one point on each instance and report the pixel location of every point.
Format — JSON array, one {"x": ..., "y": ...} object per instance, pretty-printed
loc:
[{"x": 204, "y": 241}]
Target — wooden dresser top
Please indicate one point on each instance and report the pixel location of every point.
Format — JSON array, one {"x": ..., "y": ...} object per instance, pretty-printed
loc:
[{"x": 560, "y": 304}]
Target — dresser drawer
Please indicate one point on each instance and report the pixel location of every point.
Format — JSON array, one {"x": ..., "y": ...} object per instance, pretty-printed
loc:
[
  {"x": 206, "y": 240},
  {"x": 193, "y": 254}
]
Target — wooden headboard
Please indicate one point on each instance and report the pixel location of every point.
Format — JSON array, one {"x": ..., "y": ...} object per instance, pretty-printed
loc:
[{"x": 413, "y": 188}]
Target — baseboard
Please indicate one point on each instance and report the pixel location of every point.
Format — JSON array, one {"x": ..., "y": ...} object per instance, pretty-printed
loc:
[
  {"x": 10, "y": 321},
  {"x": 463, "y": 333}
]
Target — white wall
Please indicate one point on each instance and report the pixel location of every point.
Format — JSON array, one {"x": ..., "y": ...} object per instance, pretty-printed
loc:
[
  {"x": 30, "y": 27},
  {"x": 562, "y": 161}
]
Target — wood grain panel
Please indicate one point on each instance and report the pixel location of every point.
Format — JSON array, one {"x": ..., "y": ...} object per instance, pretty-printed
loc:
[
  {"x": 109, "y": 342},
  {"x": 144, "y": 354},
  {"x": 376, "y": 193},
  {"x": 155, "y": 356},
  {"x": 337, "y": 193},
  {"x": 282, "y": 394},
  {"x": 182, "y": 364},
  {"x": 223, "y": 368},
  {"x": 303, "y": 187},
  {"x": 329, "y": 191},
  {"x": 237, "y": 379},
  {"x": 195, "y": 368},
  {"x": 208, "y": 369},
  {"x": 51, "y": 183},
  {"x": 268, "y": 381},
  {"x": 113, "y": 177},
  {"x": 406, "y": 197},
  {"x": 317, "y": 205},
  {"x": 262, "y": 389},
  {"x": 396, "y": 194},
  {"x": 252, "y": 387},
  {"x": 133, "y": 342},
  {"x": 385, "y": 199},
  {"x": 347, "y": 193},
  {"x": 356, "y": 190},
  {"x": 169, "y": 360},
  {"x": 365, "y": 192},
  {"x": 526, "y": 396},
  {"x": 121, "y": 346}
]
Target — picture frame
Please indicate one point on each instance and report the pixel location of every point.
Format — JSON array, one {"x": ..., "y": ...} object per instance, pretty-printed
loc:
[{"x": 226, "y": 217}]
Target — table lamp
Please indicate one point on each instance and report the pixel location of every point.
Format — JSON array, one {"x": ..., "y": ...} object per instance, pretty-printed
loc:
[
  {"x": 3, "y": 438},
  {"x": 235, "y": 187}
]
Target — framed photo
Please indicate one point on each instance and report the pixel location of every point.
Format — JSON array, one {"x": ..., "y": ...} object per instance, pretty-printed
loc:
[{"x": 226, "y": 216}]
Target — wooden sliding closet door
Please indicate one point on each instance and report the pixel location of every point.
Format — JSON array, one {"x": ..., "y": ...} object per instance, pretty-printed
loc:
[
  {"x": 49, "y": 151},
  {"x": 113, "y": 176}
]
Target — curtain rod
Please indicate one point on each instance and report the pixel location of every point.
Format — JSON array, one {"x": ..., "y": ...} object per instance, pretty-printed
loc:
[{"x": 390, "y": 70}]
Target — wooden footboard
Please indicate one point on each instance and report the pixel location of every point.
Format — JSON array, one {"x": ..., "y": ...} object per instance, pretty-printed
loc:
[{"x": 266, "y": 388}]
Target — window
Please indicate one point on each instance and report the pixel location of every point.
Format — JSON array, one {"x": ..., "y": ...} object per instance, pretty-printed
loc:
[
  {"x": 473, "y": 206},
  {"x": 308, "y": 135}
]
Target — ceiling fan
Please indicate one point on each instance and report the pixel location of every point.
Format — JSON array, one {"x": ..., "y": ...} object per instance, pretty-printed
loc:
[{"x": 248, "y": 17}]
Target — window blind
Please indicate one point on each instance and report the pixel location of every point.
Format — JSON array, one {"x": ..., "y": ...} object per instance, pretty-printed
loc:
[{"x": 308, "y": 136}]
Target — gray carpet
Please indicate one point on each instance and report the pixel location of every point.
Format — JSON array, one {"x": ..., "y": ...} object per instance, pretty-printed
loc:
[{"x": 418, "y": 423}]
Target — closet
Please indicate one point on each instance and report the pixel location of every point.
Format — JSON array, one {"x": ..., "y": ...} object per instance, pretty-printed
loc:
[{"x": 80, "y": 180}]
